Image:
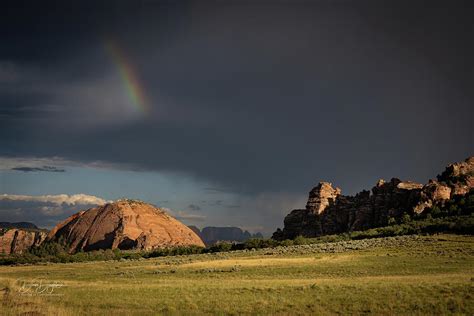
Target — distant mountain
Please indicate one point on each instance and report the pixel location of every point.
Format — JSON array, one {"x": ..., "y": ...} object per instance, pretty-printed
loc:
[
  {"x": 211, "y": 235},
  {"x": 196, "y": 230},
  {"x": 20, "y": 225}
]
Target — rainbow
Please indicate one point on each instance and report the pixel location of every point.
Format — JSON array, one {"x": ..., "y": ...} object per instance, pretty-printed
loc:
[{"x": 129, "y": 76}]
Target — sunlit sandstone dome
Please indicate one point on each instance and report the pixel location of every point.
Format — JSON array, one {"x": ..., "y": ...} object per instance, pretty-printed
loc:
[{"x": 124, "y": 224}]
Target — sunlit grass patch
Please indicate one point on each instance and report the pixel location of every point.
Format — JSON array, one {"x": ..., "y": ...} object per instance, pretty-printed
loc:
[{"x": 410, "y": 275}]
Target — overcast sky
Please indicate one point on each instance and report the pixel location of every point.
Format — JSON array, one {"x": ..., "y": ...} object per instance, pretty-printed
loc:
[{"x": 243, "y": 106}]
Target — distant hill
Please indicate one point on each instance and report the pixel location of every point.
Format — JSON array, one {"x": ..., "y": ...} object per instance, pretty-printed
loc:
[
  {"x": 20, "y": 225},
  {"x": 211, "y": 235}
]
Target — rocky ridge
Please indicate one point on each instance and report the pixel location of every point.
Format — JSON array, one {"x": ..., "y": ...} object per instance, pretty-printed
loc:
[
  {"x": 18, "y": 241},
  {"x": 211, "y": 235},
  {"x": 329, "y": 212}
]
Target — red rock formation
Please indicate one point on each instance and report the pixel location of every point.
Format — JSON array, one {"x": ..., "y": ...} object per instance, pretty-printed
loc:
[
  {"x": 321, "y": 196},
  {"x": 330, "y": 212},
  {"x": 17, "y": 241},
  {"x": 459, "y": 176},
  {"x": 433, "y": 192},
  {"x": 125, "y": 224}
]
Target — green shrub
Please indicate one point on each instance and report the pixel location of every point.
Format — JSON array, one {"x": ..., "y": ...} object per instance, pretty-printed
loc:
[
  {"x": 405, "y": 218},
  {"x": 392, "y": 221},
  {"x": 286, "y": 242},
  {"x": 258, "y": 243},
  {"x": 300, "y": 240},
  {"x": 221, "y": 247}
]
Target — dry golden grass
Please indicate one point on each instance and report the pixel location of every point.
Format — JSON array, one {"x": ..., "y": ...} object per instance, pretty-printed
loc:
[{"x": 416, "y": 276}]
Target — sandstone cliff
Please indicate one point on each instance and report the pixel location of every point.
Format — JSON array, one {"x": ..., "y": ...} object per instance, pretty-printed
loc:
[
  {"x": 125, "y": 224},
  {"x": 17, "y": 241},
  {"x": 330, "y": 212}
]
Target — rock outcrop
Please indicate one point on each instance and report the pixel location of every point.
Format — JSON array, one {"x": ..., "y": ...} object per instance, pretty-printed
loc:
[
  {"x": 125, "y": 224},
  {"x": 432, "y": 193},
  {"x": 459, "y": 176},
  {"x": 321, "y": 196},
  {"x": 18, "y": 241},
  {"x": 330, "y": 212}
]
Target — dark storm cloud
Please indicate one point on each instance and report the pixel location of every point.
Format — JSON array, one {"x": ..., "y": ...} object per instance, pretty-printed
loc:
[
  {"x": 187, "y": 217},
  {"x": 272, "y": 96},
  {"x": 194, "y": 207},
  {"x": 233, "y": 206},
  {"x": 217, "y": 190},
  {"x": 38, "y": 169}
]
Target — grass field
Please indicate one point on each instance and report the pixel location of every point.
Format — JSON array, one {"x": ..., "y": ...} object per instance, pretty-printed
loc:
[{"x": 389, "y": 276}]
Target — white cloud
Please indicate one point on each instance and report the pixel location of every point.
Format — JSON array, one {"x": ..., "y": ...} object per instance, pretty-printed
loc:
[
  {"x": 75, "y": 199},
  {"x": 44, "y": 210},
  {"x": 51, "y": 210}
]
